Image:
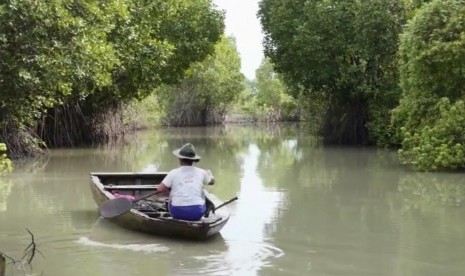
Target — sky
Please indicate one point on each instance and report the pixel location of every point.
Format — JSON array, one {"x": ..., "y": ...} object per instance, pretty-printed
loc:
[{"x": 242, "y": 23}]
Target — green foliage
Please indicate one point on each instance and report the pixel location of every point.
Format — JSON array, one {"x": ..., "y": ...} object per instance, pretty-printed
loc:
[
  {"x": 338, "y": 51},
  {"x": 246, "y": 101},
  {"x": 272, "y": 94},
  {"x": 411, "y": 6},
  {"x": 49, "y": 51},
  {"x": 335, "y": 44},
  {"x": 429, "y": 119},
  {"x": 209, "y": 89},
  {"x": 147, "y": 112},
  {"x": 158, "y": 43},
  {"x": 439, "y": 145},
  {"x": 432, "y": 51},
  {"x": 219, "y": 76},
  {"x": 71, "y": 63},
  {"x": 5, "y": 163}
]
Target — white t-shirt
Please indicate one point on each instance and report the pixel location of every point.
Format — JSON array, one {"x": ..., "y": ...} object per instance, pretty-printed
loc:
[{"x": 186, "y": 183}]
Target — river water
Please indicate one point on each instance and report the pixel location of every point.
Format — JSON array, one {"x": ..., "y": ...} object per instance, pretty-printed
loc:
[{"x": 303, "y": 208}]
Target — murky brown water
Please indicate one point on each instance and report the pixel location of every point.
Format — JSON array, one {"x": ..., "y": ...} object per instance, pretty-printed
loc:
[{"x": 302, "y": 209}]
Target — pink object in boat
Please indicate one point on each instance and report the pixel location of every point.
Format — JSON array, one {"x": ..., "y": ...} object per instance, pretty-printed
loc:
[{"x": 118, "y": 195}]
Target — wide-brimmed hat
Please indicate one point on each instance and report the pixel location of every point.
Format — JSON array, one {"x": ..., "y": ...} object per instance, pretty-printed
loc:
[{"x": 187, "y": 152}]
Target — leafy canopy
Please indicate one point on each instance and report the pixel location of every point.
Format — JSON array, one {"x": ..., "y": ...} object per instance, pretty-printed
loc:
[
  {"x": 104, "y": 52},
  {"x": 341, "y": 52},
  {"x": 429, "y": 118}
]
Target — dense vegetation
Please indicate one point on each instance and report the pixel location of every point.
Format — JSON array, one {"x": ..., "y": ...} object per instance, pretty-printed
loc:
[
  {"x": 341, "y": 55},
  {"x": 385, "y": 72},
  {"x": 431, "y": 114},
  {"x": 273, "y": 96},
  {"x": 266, "y": 98},
  {"x": 69, "y": 68},
  {"x": 208, "y": 90}
]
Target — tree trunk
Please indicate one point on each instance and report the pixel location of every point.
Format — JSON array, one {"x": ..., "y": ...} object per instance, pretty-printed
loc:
[{"x": 345, "y": 123}]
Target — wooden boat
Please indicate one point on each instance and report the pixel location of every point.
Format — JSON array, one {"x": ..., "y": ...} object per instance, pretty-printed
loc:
[{"x": 151, "y": 215}]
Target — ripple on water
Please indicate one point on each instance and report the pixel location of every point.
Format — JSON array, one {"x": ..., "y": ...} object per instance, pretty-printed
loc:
[
  {"x": 145, "y": 248},
  {"x": 241, "y": 258}
]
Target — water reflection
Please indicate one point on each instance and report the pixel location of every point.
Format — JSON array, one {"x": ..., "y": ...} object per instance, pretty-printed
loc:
[
  {"x": 253, "y": 221},
  {"x": 303, "y": 208},
  {"x": 5, "y": 190},
  {"x": 429, "y": 190},
  {"x": 243, "y": 247}
]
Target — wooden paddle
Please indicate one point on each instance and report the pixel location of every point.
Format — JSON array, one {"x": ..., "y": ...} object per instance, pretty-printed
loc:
[
  {"x": 225, "y": 203},
  {"x": 120, "y": 205}
]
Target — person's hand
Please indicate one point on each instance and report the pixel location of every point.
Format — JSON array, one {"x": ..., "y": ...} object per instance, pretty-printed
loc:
[{"x": 211, "y": 176}]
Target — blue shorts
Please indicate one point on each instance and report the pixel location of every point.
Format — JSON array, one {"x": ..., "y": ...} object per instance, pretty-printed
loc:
[{"x": 191, "y": 212}]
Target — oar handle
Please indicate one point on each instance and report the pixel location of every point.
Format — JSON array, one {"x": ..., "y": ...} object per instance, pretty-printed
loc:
[{"x": 225, "y": 203}]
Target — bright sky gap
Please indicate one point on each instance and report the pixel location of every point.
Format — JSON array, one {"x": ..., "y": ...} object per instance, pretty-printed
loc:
[{"x": 242, "y": 23}]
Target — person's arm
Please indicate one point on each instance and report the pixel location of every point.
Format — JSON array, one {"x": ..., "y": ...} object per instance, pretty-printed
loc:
[
  {"x": 212, "y": 178},
  {"x": 162, "y": 188},
  {"x": 165, "y": 185}
]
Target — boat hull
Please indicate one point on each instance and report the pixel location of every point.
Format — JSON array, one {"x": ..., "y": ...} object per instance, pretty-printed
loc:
[{"x": 139, "y": 221}]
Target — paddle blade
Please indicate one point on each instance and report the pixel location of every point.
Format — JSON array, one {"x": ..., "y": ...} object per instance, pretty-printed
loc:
[{"x": 115, "y": 207}]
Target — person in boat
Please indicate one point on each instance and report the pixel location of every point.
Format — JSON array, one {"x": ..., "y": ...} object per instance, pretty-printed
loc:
[{"x": 185, "y": 185}]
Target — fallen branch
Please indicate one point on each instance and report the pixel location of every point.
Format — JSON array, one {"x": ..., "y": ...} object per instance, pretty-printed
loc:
[{"x": 25, "y": 260}]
